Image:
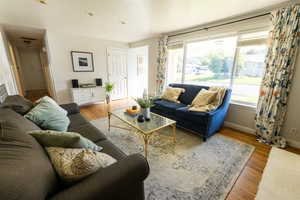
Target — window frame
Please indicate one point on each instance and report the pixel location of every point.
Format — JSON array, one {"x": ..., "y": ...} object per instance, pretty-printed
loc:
[{"x": 236, "y": 54}]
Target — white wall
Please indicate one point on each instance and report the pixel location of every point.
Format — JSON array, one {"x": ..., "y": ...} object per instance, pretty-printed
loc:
[
  {"x": 152, "y": 61},
  {"x": 6, "y": 75},
  {"x": 292, "y": 118},
  {"x": 136, "y": 85},
  {"x": 31, "y": 69},
  {"x": 46, "y": 71},
  {"x": 60, "y": 47}
]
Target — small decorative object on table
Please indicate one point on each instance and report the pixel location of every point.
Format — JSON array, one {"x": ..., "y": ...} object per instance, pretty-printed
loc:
[
  {"x": 145, "y": 103},
  {"x": 133, "y": 111},
  {"x": 141, "y": 118}
]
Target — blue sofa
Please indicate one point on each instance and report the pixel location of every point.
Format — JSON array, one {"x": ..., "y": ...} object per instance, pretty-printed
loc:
[{"x": 203, "y": 123}]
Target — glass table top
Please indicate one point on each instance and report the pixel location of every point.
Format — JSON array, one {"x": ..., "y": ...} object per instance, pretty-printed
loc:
[{"x": 156, "y": 121}]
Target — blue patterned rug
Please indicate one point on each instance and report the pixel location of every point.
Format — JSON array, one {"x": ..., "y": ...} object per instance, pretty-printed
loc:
[{"x": 189, "y": 170}]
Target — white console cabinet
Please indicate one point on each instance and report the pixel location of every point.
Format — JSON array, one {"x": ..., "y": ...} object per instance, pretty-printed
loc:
[{"x": 83, "y": 96}]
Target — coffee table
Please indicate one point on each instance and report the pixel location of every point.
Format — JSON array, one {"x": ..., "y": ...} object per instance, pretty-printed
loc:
[{"x": 146, "y": 129}]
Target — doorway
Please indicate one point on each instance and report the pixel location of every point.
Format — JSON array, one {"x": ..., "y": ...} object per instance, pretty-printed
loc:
[
  {"x": 117, "y": 72},
  {"x": 29, "y": 58}
]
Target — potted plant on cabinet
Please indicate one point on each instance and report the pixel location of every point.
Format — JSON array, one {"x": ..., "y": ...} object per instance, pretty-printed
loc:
[{"x": 108, "y": 89}]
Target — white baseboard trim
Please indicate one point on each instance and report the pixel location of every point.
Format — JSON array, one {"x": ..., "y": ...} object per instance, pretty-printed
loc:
[
  {"x": 292, "y": 143},
  {"x": 239, "y": 127}
]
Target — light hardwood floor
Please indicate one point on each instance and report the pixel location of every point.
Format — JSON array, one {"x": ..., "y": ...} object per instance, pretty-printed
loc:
[{"x": 246, "y": 186}]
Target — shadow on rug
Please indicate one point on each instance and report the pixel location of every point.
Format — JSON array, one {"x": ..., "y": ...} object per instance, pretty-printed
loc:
[{"x": 189, "y": 170}]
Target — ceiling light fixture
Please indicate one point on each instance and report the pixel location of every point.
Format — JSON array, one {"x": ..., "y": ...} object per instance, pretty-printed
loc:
[
  {"x": 43, "y": 1},
  {"x": 123, "y": 22},
  {"x": 91, "y": 14}
]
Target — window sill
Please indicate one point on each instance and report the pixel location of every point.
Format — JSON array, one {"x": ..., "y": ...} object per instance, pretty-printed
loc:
[{"x": 244, "y": 106}]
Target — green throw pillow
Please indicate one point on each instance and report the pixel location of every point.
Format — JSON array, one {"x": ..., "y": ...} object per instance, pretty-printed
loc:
[
  {"x": 50, "y": 138},
  {"x": 47, "y": 116}
]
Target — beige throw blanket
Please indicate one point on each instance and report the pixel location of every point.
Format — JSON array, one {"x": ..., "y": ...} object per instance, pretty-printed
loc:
[{"x": 214, "y": 104}]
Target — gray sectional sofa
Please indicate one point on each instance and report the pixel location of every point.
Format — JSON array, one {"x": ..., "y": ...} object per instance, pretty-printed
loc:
[{"x": 26, "y": 171}]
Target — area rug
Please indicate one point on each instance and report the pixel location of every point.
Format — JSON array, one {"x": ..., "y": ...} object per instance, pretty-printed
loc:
[
  {"x": 189, "y": 170},
  {"x": 281, "y": 177}
]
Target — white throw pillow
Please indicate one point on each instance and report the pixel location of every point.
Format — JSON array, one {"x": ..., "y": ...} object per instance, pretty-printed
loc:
[
  {"x": 204, "y": 97},
  {"x": 172, "y": 94}
]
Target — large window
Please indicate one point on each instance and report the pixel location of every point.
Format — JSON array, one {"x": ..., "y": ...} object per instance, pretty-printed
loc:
[
  {"x": 248, "y": 74},
  {"x": 175, "y": 65},
  {"x": 236, "y": 62},
  {"x": 210, "y": 62}
]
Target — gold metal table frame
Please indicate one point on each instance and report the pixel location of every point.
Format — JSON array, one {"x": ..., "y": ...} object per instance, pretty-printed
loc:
[{"x": 146, "y": 135}]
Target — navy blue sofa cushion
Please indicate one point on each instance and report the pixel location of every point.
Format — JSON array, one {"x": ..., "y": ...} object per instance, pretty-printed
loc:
[
  {"x": 195, "y": 117},
  {"x": 168, "y": 106}
]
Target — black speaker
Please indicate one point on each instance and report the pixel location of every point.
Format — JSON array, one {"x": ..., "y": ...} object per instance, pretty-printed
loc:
[
  {"x": 98, "y": 81},
  {"x": 75, "y": 83}
]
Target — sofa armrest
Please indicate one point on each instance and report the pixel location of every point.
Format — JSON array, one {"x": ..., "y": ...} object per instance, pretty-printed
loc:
[
  {"x": 109, "y": 181},
  {"x": 71, "y": 108},
  {"x": 217, "y": 117}
]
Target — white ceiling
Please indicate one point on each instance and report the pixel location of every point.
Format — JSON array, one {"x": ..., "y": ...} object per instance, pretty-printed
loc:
[{"x": 145, "y": 18}]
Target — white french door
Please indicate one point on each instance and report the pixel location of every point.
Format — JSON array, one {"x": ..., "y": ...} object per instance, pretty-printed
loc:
[{"x": 117, "y": 72}]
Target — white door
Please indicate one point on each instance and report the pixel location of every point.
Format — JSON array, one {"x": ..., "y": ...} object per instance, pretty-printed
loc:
[{"x": 117, "y": 72}]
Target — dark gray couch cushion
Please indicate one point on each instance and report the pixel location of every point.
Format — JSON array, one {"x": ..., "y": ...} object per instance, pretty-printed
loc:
[
  {"x": 71, "y": 108},
  {"x": 110, "y": 149},
  {"x": 18, "y": 120},
  {"x": 18, "y": 104},
  {"x": 80, "y": 125},
  {"x": 168, "y": 106},
  {"x": 26, "y": 172}
]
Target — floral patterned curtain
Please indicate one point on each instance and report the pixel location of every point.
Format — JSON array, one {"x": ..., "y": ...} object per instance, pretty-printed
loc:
[
  {"x": 276, "y": 83},
  {"x": 161, "y": 65}
]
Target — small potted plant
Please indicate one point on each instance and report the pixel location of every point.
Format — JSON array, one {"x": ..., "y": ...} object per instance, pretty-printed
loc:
[
  {"x": 145, "y": 104},
  {"x": 108, "y": 89}
]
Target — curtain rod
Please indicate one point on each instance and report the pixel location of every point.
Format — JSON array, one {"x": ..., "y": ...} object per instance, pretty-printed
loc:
[{"x": 218, "y": 25}]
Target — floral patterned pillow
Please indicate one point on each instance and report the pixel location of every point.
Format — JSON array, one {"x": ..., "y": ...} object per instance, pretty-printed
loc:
[{"x": 75, "y": 164}]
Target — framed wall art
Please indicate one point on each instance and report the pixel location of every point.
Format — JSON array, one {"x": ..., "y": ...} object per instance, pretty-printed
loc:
[{"x": 82, "y": 61}]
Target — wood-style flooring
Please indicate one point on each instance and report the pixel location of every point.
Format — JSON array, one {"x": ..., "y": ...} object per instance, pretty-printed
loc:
[
  {"x": 246, "y": 186},
  {"x": 34, "y": 95}
]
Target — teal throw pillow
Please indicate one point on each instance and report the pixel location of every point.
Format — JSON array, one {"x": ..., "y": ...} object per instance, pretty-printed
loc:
[
  {"x": 51, "y": 101},
  {"x": 50, "y": 138},
  {"x": 47, "y": 116}
]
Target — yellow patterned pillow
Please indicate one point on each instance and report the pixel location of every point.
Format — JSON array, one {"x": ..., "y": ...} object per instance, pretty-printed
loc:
[
  {"x": 204, "y": 97},
  {"x": 75, "y": 164},
  {"x": 172, "y": 94}
]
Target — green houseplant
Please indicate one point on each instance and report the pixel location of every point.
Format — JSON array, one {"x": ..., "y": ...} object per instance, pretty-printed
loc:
[
  {"x": 145, "y": 103},
  {"x": 108, "y": 89}
]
